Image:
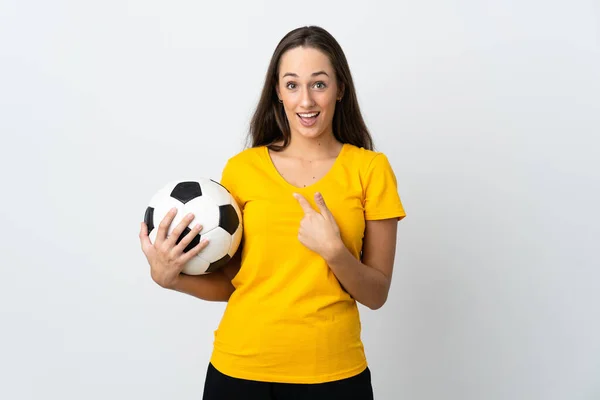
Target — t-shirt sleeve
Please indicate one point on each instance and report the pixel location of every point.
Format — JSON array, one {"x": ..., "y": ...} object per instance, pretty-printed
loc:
[
  {"x": 228, "y": 180},
  {"x": 381, "y": 198}
]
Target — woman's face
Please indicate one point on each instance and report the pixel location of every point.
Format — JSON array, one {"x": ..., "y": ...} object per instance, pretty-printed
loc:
[{"x": 307, "y": 85}]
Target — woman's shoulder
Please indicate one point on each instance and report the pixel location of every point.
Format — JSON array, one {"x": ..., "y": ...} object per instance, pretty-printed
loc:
[
  {"x": 362, "y": 157},
  {"x": 245, "y": 156}
]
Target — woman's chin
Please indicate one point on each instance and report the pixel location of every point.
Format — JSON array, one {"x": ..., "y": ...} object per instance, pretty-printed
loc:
[{"x": 309, "y": 133}]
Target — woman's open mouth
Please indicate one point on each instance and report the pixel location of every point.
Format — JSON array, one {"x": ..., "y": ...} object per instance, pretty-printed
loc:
[{"x": 308, "y": 119}]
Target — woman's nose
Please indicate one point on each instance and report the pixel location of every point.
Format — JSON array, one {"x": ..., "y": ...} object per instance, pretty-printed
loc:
[{"x": 307, "y": 100}]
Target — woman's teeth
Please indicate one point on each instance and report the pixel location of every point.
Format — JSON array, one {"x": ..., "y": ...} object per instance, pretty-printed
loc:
[{"x": 308, "y": 119}]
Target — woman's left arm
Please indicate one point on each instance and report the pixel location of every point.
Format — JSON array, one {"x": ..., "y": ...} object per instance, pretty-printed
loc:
[{"x": 368, "y": 280}]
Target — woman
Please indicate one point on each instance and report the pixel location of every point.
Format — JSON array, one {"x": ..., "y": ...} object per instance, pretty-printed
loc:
[{"x": 320, "y": 211}]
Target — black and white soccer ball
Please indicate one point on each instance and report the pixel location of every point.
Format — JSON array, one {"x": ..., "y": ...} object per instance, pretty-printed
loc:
[{"x": 213, "y": 207}]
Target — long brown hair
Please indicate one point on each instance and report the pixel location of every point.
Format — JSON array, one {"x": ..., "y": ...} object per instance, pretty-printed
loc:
[{"x": 269, "y": 123}]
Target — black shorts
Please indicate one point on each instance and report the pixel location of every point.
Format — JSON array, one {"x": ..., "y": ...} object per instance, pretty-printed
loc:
[{"x": 219, "y": 386}]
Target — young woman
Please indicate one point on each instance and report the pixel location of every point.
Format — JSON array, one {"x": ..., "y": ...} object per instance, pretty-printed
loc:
[{"x": 320, "y": 211}]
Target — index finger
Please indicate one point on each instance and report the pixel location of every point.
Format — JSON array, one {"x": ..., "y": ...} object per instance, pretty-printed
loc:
[
  {"x": 303, "y": 203},
  {"x": 163, "y": 226}
]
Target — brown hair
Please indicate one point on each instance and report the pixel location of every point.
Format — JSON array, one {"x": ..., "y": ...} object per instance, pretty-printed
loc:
[{"x": 269, "y": 123}]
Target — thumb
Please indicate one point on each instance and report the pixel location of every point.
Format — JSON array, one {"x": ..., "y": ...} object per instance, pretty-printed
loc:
[
  {"x": 144, "y": 238},
  {"x": 321, "y": 204}
]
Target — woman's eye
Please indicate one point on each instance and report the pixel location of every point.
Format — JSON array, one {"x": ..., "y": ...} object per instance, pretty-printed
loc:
[
  {"x": 320, "y": 85},
  {"x": 291, "y": 85}
]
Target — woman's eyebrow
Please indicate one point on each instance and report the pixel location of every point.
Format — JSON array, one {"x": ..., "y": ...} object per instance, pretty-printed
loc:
[{"x": 313, "y": 74}]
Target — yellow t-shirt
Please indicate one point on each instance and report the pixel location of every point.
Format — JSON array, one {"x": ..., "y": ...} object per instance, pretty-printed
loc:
[{"x": 289, "y": 319}]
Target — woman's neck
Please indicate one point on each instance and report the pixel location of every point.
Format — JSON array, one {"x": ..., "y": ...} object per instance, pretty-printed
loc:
[{"x": 322, "y": 147}]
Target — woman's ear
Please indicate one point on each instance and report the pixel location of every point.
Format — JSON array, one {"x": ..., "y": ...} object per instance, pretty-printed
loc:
[{"x": 341, "y": 92}]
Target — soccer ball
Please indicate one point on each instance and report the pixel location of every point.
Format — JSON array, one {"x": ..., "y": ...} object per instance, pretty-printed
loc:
[{"x": 213, "y": 207}]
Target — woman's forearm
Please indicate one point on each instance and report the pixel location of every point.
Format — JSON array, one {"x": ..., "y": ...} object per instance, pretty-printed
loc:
[
  {"x": 215, "y": 286},
  {"x": 365, "y": 284}
]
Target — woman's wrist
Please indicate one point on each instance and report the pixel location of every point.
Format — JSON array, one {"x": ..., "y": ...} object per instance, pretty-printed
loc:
[{"x": 334, "y": 250}]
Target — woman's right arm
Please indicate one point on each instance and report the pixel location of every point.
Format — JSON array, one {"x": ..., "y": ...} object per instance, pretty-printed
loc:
[
  {"x": 167, "y": 259},
  {"x": 215, "y": 286}
]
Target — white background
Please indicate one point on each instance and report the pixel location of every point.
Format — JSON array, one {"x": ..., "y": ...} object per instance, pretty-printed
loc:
[{"x": 488, "y": 111}]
